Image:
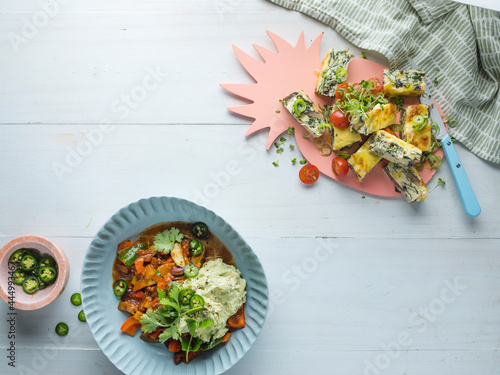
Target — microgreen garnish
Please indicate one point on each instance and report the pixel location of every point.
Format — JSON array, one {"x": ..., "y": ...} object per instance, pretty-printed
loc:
[
  {"x": 436, "y": 81},
  {"x": 306, "y": 136},
  {"x": 363, "y": 197},
  {"x": 294, "y": 160},
  {"x": 440, "y": 182},
  {"x": 164, "y": 241},
  {"x": 290, "y": 130},
  {"x": 278, "y": 111},
  {"x": 276, "y": 163},
  {"x": 303, "y": 161},
  {"x": 276, "y": 144},
  {"x": 283, "y": 139},
  {"x": 292, "y": 147},
  {"x": 363, "y": 55},
  {"x": 280, "y": 150}
]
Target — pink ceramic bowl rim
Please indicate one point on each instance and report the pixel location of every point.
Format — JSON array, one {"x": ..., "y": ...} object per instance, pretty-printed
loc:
[{"x": 62, "y": 264}]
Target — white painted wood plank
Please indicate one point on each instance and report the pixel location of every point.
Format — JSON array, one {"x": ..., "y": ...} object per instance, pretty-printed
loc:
[
  {"x": 217, "y": 167},
  {"x": 96, "y": 67},
  {"x": 338, "y": 302}
]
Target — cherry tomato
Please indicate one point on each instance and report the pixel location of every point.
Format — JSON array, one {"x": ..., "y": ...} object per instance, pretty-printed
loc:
[
  {"x": 378, "y": 87},
  {"x": 338, "y": 94},
  {"x": 340, "y": 167},
  {"x": 308, "y": 174},
  {"x": 137, "y": 295},
  {"x": 338, "y": 119}
]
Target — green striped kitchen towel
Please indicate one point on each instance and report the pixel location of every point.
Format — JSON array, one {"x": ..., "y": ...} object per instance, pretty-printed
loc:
[{"x": 456, "y": 44}]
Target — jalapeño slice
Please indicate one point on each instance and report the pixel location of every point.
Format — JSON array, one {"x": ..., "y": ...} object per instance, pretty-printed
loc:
[
  {"x": 47, "y": 261},
  {"x": 200, "y": 230},
  {"x": 31, "y": 285},
  {"x": 76, "y": 299},
  {"x": 196, "y": 303},
  {"x": 28, "y": 262},
  {"x": 81, "y": 316},
  {"x": 19, "y": 276},
  {"x": 195, "y": 247},
  {"x": 185, "y": 296},
  {"x": 120, "y": 287},
  {"x": 47, "y": 274},
  {"x": 62, "y": 329},
  {"x": 191, "y": 271},
  {"x": 16, "y": 256}
]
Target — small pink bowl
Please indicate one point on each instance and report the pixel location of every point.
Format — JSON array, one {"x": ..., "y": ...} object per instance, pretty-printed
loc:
[{"x": 14, "y": 294}]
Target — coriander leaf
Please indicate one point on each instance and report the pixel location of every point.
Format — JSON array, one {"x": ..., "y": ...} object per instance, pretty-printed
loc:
[
  {"x": 170, "y": 332},
  {"x": 206, "y": 323},
  {"x": 165, "y": 241},
  {"x": 150, "y": 321},
  {"x": 184, "y": 344},
  {"x": 192, "y": 325},
  {"x": 162, "y": 294},
  {"x": 195, "y": 346}
]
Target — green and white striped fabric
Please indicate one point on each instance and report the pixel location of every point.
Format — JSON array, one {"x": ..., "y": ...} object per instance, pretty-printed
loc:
[{"x": 456, "y": 44}]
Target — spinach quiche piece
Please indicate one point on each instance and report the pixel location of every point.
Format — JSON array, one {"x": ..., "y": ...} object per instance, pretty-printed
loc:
[
  {"x": 306, "y": 113},
  {"x": 378, "y": 117},
  {"x": 394, "y": 149},
  {"x": 363, "y": 161},
  {"x": 333, "y": 72},
  {"x": 404, "y": 82},
  {"x": 416, "y": 126},
  {"x": 408, "y": 182}
]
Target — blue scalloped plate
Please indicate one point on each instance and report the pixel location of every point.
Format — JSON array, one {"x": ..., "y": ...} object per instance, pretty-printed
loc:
[{"x": 132, "y": 355}]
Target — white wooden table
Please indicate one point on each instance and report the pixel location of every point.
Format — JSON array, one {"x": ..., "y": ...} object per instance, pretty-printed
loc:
[{"x": 104, "y": 103}]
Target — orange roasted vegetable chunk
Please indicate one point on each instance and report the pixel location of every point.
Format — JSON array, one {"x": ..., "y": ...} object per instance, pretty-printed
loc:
[
  {"x": 130, "y": 326},
  {"x": 139, "y": 265},
  {"x": 238, "y": 319},
  {"x": 174, "y": 346},
  {"x": 226, "y": 337}
]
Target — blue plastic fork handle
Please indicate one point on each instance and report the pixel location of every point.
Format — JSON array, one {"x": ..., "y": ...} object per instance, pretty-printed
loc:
[{"x": 469, "y": 200}]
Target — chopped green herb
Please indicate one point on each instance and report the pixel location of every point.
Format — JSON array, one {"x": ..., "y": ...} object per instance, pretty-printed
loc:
[
  {"x": 440, "y": 182},
  {"x": 436, "y": 81},
  {"x": 363, "y": 197},
  {"x": 343, "y": 155},
  {"x": 165, "y": 241},
  {"x": 278, "y": 111}
]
